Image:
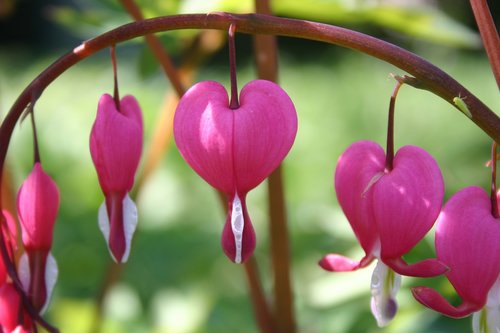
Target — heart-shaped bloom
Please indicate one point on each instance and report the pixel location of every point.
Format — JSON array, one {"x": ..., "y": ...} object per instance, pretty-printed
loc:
[
  {"x": 234, "y": 150},
  {"x": 390, "y": 211},
  {"x": 116, "y": 147},
  {"x": 10, "y": 305},
  {"x": 37, "y": 205},
  {"x": 467, "y": 241}
]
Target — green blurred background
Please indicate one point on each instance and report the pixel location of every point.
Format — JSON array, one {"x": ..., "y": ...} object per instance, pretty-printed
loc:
[{"x": 177, "y": 279}]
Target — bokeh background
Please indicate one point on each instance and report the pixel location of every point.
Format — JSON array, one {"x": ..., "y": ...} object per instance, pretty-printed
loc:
[{"x": 177, "y": 279}]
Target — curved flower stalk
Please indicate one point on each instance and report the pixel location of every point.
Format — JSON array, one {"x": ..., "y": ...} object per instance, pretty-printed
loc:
[
  {"x": 116, "y": 147},
  {"x": 390, "y": 211},
  {"x": 234, "y": 150},
  {"x": 9, "y": 230},
  {"x": 467, "y": 240},
  {"x": 37, "y": 205},
  {"x": 10, "y": 304}
]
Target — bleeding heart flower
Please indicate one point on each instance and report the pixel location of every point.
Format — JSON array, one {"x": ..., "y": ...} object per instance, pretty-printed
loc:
[
  {"x": 37, "y": 205},
  {"x": 10, "y": 305},
  {"x": 390, "y": 211},
  {"x": 116, "y": 147},
  {"x": 467, "y": 241},
  {"x": 234, "y": 150}
]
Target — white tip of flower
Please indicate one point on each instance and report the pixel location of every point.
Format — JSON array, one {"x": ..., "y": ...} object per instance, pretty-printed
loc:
[
  {"x": 130, "y": 220},
  {"x": 23, "y": 271},
  {"x": 384, "y": 286},
  {"x": 51, "y": 274},
  {"x": 237, "y": 226},
  {"x": 488, "y": 319}
]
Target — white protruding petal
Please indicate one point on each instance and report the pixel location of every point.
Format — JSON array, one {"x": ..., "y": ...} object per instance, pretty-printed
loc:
[
  {"x": 103, "y": 220},
  {"x": 384, "y": 286},
  {"x": 129, "y": 224},
  {"x": 237, "y": 226},
  {"x": 23, "y": 271},
  {"x": 51, "y": 274},
  {"x": 488, "y": 319}
]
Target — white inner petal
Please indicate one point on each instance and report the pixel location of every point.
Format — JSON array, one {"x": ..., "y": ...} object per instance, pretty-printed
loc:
[
  {"x": 237, "y": 226},
  {"x": 488, "y": 319},
  {"x": 23, "y": 271},
  {"x": 385, "y": 284},
  {"x": 129, "y": 224},
  {"x": 51, "y": 273},
  {"x": 103, "y": 220}
]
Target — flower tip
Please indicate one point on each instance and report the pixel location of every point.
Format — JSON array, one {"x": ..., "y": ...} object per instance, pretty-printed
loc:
[
  {"x": 430, "y": 298},
  {"x": 425, "y": 268},
  {"x": 338, "y": 263}
]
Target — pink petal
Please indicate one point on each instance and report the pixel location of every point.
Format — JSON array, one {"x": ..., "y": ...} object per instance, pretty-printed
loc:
[
  {"x": 37, "y": 205},
  {"x": 116, "y": 143},
  {"x": 467, "y": 240},
  {"x": 433, "y": 300},
  {"x": 10, "y": 301},
  {"x": 235, "y": 150},
  {"x": 424, "y": 268},
  {"x": 338, "y": 263},
  {"x": 356, "y": 169},
  {"x": 238, "y": 236},
  {"x": 407, "y": 201},
  {"x": 10, "y": 236}
]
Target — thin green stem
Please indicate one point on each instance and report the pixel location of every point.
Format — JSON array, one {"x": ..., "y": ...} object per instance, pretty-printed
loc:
[{"x": 489, "y": 34}]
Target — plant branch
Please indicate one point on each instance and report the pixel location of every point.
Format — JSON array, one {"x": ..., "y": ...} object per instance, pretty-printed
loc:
[
  {"x": 266, "y": 58},
  {"x": 433, "y": 78},
  {"x": 157, "y": 48},
  {"x": 489, "y": 34}
]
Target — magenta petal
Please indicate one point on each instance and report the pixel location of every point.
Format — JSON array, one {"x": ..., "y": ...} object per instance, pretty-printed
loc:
[
  {"x": 357, "y": 170},
  {"x": 337, "y": 263},
  {"x": 116, "y": 143},
  {"x": 432, "y": 299},
  {"x": 235, "y": 150},
  {"x": 407, "y": 201},
  {"x": 10, "y": 301},
  {"x": 467, "y": 240},
  {"x": 424, "y": 268},
  {"x": 37, "y": 205},
  {"x": 238, "y": 236}
]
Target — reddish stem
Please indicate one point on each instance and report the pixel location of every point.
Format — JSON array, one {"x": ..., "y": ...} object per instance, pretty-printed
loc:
[
  {"x": 389, "y": 158},
  {"x": 35, "y": 135},
  {"x": 489, "y": 34},
  {"x": 157, "y": 48},
  {"x": 116, "y": 94},
  {"x": 493, "y": 195},
  {"x": 234, "y": 104}
]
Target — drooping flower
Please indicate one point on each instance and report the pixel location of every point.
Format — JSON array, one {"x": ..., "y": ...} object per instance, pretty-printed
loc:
[
  {"x": 234, "y": 150},
  {"x": 37, "y": 205},
  {"x": 10, "y": 305},
  {"x": 467, "y": 241},
  {"x": 116, "y": 147},
  {"x": 390, "y": 211}
]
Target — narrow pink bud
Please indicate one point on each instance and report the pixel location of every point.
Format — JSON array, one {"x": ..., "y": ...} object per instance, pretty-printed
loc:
[
  {"x": 38, "y": 204},
  {"x": 10, "y": 305},
  {"x": 116, "y": 146},
  {"x": 10, "y": 236},
  {"x": 234, "y": 150}
]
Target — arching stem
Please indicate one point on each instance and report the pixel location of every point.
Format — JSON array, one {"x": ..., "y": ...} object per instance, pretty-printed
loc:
[
  {"x": 116, "y": 94},
  {"x": 234, "y": 104},
  {"x": 493, "y": 195},
  {"x": 36, "y": 150},
  {"x": 390, "y": 128}
]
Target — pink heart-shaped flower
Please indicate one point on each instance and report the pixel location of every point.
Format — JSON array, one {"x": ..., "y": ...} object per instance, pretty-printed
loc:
[
  {"x": 234, "y": 150},
  {"x": 467, "y": 241},
  {"x": 390, "y": 211}
]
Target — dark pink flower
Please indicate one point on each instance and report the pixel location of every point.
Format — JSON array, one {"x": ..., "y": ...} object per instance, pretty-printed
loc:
[
  {"x": 116, "y": 147},
  {"x": 467, "y": 241},
  {"x": 10, "y": 305},
  {"x": 234, "y": 150},
  {"x": 37, "y": 205},
  {"x": 9, "y": 230},
  {"x": 390, "y": 211}
]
